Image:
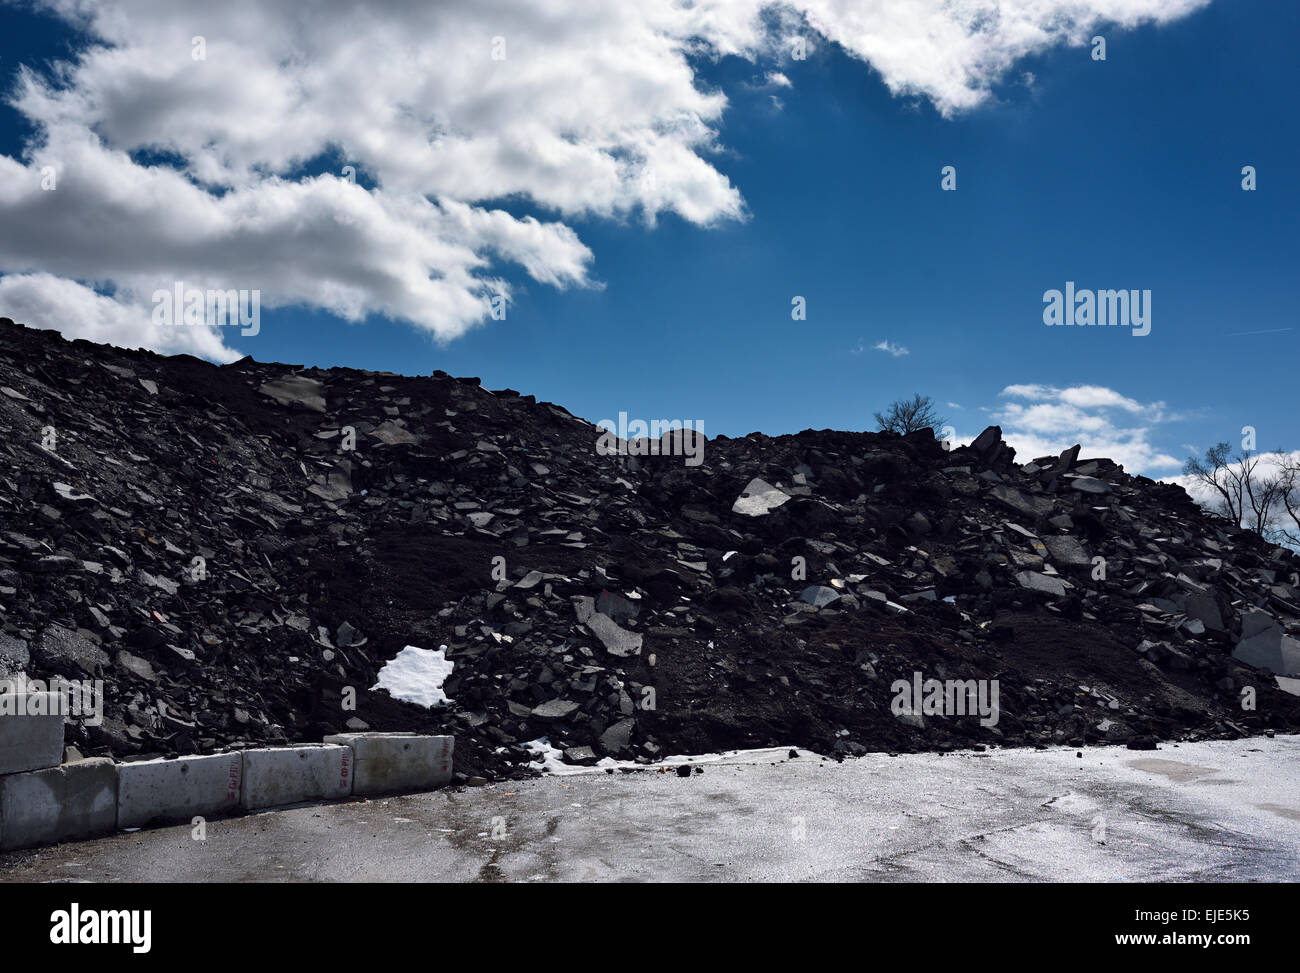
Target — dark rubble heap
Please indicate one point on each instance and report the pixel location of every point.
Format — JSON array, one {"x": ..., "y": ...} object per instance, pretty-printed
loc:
[{"x": 626, "y": 606}]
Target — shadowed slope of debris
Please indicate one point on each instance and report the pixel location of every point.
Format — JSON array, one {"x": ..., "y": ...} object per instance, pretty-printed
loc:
[{"x": 771, "y": 595}]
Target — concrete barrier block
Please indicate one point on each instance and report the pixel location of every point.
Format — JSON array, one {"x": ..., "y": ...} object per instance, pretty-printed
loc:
[
  {"x": 77, "y": 800},
  {"x": 390, "y": 762},
  {"x": 30, "y": 737},
  {"x": 292, "y": 775},
  {"x": 176, "y": 790}
]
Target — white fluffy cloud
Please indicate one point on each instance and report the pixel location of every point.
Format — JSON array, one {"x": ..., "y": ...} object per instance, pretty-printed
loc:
[
  {"x": 40, "y": 299},
  {"x": 1039, "y": 420},
  {"x": 586, "y": 110},
  {"x": 952, "y": 51}
]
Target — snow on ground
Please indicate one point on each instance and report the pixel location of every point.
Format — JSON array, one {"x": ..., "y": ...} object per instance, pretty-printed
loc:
[
  {"x": 416, "y": 675},
  {"x": 550, "y": 760}
]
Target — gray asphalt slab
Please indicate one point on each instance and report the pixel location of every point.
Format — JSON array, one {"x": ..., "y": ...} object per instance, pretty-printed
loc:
[{"x": 1215, "y": 811}]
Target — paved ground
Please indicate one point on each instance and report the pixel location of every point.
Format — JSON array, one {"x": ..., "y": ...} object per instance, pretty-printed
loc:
[{"x": 1224, "y": 811}]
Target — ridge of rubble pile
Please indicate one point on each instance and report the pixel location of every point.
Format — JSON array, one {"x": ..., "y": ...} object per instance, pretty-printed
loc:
[{"x": 769, "y": 596}]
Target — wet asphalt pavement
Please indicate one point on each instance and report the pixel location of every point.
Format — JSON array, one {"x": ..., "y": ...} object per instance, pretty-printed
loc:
[{"x": 1218, "y": 811}]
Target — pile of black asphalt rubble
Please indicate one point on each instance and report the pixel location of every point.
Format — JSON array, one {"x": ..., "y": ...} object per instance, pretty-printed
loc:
[{"x": 237, "y": 551}]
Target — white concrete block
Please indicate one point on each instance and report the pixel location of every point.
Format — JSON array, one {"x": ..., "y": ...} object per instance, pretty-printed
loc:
[
  {"x": 390, "y": 762},
  {"x": 292, "y": 775},
  {"x": 177, "y": 790},
  {"x": 77, "y": 800},
  {"x": 30, "y": 738}
]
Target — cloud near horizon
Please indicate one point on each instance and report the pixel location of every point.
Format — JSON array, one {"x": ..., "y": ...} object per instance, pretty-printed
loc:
[
  {"x": 1039, "y": 420},
  {"x": 170, "y": 168}
]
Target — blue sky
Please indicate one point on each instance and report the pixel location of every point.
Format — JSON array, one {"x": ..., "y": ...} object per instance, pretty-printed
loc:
[{"x": 1117, "y": 174}]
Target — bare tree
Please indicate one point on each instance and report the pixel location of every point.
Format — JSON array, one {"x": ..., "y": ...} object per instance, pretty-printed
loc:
[
  {"x": 1245, "y": 494},
  {"x": 1263, "y": 494},
  {"x": 911, "y": 415},
  {"x": 1214, "y": 471},
  {"x": 1288, "y": 499}
]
